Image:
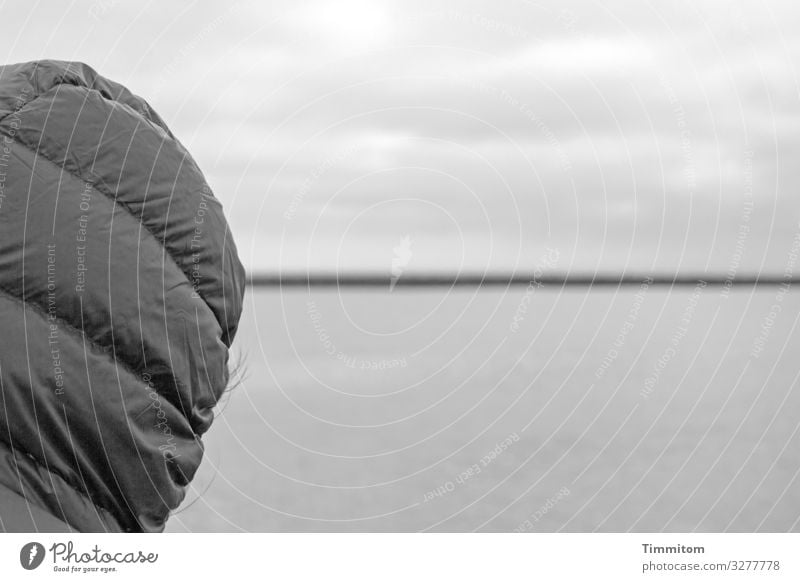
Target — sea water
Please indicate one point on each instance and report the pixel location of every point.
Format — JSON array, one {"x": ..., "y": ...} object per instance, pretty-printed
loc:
[{"x": 527, "y": 408}]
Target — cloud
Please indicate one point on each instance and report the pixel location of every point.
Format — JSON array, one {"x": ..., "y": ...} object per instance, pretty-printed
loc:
[{"x": 624, "y": 133}]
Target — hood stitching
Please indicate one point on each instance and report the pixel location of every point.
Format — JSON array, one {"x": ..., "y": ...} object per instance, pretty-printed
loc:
[
  {"x": 36, "y": 308},
  {"x": 100, "y": 188},
  {"x": 16, "y": 449}
]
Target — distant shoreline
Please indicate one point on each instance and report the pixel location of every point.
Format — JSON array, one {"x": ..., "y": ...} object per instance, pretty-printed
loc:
[{"x": 506, "y": 279}]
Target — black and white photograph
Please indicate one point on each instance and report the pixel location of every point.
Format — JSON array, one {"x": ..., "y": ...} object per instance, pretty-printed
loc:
[{"x": 376, "y": 269}]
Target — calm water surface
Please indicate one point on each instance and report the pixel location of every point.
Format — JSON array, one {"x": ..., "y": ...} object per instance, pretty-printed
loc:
[{"x": 538, "y": 409}]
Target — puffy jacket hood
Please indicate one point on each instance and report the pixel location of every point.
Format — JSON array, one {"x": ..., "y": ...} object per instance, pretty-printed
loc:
[{"x": 120, "y": 294}]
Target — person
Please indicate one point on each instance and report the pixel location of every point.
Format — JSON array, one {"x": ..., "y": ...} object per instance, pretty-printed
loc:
[{"x": 120, "y": 295}]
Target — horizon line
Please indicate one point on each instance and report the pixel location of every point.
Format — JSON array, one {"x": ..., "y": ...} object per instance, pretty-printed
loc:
[{"x": 373, "y": 279}]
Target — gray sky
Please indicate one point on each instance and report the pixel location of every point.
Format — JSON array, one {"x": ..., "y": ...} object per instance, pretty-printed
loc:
[{"x": 625, "y": 135}]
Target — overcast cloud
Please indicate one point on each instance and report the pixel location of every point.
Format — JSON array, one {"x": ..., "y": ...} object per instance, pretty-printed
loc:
[{"x": 627, "y": 135}]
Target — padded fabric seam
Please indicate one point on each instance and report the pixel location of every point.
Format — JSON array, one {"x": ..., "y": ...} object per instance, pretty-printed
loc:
[
  {"x": 68, "y": 482},
  {"x": 18, "y": 139},
  {"x": 96, "y": 348},
  {"x": 62, "y": 80}
]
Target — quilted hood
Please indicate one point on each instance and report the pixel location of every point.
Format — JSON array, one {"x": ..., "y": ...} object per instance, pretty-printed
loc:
[{"x": 120, "y": 294}]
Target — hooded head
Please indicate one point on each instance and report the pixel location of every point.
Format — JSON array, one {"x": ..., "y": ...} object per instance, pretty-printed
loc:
[{"x": 120, "y": 294}]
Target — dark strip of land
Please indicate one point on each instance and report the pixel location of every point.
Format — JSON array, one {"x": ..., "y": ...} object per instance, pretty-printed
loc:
[{"x": 500, "y": 279}]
